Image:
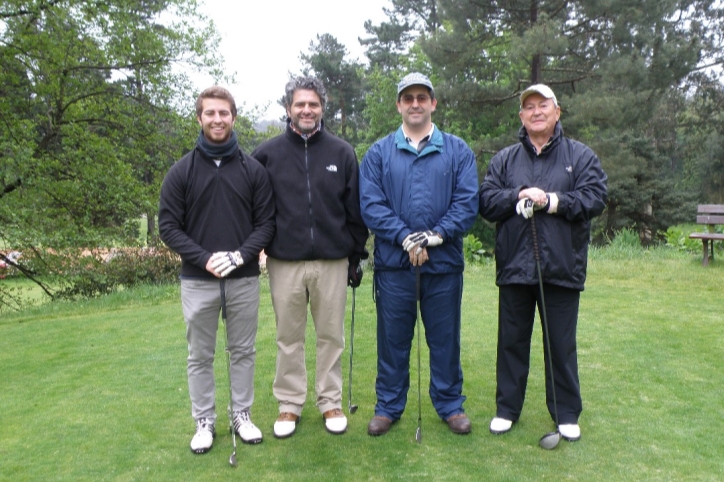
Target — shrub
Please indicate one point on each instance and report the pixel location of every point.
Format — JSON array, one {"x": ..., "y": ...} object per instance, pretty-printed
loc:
[
  {"x": 473, "y": 249},
  {"x": 87, "y": 274}
]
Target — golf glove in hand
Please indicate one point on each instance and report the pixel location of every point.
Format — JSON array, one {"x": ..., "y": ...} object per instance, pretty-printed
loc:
[
  {"x": 421, "y": 240},
  {"x": 354, "y": 275},
  {"x": 224, "y": 262},
  {"x": 525, "y": 207}
]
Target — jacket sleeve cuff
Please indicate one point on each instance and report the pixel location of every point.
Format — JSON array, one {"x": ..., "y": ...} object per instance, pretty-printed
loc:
[{"x": 553, "y": 204}]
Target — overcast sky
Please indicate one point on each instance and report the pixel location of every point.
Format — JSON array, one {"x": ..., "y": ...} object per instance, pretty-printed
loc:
[{"x": 262, "y": 40}]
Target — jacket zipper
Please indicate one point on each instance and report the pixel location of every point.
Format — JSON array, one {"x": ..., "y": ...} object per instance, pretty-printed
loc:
[{"x": 309, "y": 193}]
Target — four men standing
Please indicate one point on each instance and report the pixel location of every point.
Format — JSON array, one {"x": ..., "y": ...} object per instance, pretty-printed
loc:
[{"x": 303, "y": 198}]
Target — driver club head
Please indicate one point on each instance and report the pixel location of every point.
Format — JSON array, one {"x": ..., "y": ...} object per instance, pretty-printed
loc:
[{"x": 550, "y": 440}]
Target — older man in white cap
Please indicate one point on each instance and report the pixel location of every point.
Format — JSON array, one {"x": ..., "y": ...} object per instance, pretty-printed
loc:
[
  {"x": 418, "y": 193},
  {"x": 561, "y": 183}
]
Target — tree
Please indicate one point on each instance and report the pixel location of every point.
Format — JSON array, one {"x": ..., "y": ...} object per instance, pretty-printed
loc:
[
  {"x": 89, "y": 115},
  {"x": 327, "y": 61},
  {"x": 617, "y": 67}
]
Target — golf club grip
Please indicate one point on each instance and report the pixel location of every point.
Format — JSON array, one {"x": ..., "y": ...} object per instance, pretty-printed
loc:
[
  {"x": 222, "y": 285},
  {"x": 536, "y": 253}
]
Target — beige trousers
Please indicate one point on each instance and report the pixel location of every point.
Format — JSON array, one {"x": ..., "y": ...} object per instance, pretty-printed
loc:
[{"x": 321, "y": 285}]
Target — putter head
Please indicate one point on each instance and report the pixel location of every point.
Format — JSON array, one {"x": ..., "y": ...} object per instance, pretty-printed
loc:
[
  {"x": 418, "y": 435},
  {"x": 352, "y": 408},
  {"x": 232, "y": 459},
  {"x": 550, "y": 440}
]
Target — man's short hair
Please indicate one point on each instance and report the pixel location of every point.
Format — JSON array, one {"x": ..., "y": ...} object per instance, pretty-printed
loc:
[
  {"x": 215, "y": 92},
  {"x": 304, "y": 83}
]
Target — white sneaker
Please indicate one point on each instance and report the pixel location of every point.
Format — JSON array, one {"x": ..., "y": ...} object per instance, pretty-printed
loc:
[
  {"x": 500, "y": 425},
  {"x": 286, "y": 425},
  {"x": 570, "y": 432},
  {"x": 204, "y": 437},
  {"x": 335, "y": 421},
  {"x": 245, "y": 428}
]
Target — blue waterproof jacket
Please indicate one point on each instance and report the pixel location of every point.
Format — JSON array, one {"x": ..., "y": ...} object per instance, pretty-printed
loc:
[
  {"x": 572, "y": 171},
  {"x": 403, "y": 191}
]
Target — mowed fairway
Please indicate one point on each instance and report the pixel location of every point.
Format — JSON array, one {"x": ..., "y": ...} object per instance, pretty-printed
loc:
[{"x": 96, "y": 391}]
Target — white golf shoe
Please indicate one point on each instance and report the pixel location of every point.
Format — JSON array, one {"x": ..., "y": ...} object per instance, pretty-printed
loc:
[
  {"x": 570, "y": 431},
  {"x": 245, "y": 428},
  {"x": 286, "y": 425},
  {"x": 500, "y": 425},
  {"x": 334, "y": 421},
  {"x": 204, "y": 437}
]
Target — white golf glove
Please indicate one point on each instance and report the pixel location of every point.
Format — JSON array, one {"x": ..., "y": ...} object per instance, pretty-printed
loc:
[
  {"x": 525, "y": 207},
  {"x": 421, "y": 240},
  {"x": 224, "y": 262}
]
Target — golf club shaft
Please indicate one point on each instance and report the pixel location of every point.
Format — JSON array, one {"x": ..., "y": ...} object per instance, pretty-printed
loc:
[
  {"x": 222, "y": 284},
  {"x": 351, "y": 408},
  {"x": 544, "y": 316},
  {"x": 418, "y": 435}
]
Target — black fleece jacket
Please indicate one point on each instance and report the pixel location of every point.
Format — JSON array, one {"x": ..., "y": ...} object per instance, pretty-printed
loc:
[
  {"x": 316, "y": 191},
  {"x": 205, "y": 209}
]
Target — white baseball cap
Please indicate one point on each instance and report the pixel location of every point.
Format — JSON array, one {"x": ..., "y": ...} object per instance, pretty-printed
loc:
[{"x": 541, "y": 89}]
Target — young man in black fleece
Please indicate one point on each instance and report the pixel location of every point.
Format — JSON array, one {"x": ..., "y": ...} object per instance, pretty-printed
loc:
[
  {"x": 315, "y": 253},
  {"x": 217, "y": 212}
]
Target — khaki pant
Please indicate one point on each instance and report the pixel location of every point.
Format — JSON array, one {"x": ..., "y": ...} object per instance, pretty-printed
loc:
[{"x": 322, "y": 285}]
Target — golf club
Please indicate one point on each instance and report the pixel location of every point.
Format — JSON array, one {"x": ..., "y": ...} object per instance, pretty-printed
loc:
[
  {"x": 232, "y": 458},
  {"x": 550, "y": 440},
  {"x": 350, "y": 407},
  {"x": 418, "y": 433}
]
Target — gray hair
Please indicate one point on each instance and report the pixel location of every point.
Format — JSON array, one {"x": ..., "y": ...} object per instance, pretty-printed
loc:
[{"x": 304, "y": 83}]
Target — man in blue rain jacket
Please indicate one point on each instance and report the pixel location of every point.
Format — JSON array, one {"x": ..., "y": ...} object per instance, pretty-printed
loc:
[{"x": 418, "y": 194}]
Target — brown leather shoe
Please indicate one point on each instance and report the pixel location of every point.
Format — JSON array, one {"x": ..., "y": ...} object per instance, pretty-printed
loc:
[
  {"x": 459, "y": 423},
  {"x": 379, "y": 425}
]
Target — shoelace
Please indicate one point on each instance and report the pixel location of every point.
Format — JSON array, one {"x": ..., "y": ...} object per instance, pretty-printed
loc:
[
  {"x": 204, "y": 424},
  {"x": 241, "y": 417}
]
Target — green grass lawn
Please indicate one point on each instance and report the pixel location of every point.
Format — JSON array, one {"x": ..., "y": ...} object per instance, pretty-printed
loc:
[{"x": 96, "y": 391}]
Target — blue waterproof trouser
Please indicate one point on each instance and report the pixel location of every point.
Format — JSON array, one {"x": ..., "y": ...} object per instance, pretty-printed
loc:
[{"x": 441, "y": 296}]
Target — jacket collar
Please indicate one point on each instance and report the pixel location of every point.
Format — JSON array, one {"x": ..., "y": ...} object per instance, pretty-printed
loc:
[
  {"x": 296, "y": 137},
  {"x": 434, "y": 144},
  {"x": 553, "y": 141}
]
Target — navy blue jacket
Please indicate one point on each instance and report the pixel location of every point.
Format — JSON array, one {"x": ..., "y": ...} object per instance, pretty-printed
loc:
[
  {"x": 402, "y": 192},
  {"x": 566, "y": 167}
]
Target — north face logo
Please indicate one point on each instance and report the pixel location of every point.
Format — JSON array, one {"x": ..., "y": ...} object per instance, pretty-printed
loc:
[
  {"x": 569, "y": 169},
  {"x": 332, "y": 168}
]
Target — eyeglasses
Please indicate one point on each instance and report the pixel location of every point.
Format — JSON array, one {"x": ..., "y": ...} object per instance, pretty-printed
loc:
[{"x": 409, "y": 99}]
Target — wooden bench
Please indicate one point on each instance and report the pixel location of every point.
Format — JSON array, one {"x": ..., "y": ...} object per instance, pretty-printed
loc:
[{"x": 710, "y": 215}]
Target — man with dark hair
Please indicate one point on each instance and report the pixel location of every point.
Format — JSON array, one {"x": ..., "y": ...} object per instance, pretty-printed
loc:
[
  {"x": 560, "y": 183},
  {"x": 418, "y": 192},
  {"x": 217, "y": 212},
  {"x": 315, "y": 254}
]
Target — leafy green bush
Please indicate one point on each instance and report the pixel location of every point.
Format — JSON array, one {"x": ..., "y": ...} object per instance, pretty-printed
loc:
[
  {"x": 89, "y": 274},
  {"x": 677, "y": 237},
  {"x": 473, "y": 249}
]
